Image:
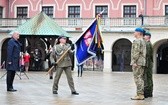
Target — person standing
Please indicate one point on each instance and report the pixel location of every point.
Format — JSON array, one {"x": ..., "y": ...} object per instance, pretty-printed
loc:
[
  {"x": 22, "y": 62},
  {"x": 65, "y": 64},
  {"x": 142, "y": 18},
  {"x": 13, "y": 56},
  {"x": 27, "y": 61},
  {"x": 80, "y": 70},
  {"x": 148, "y": 81},
  {"x": 37, "y": 59},
  {"x": 138, "y": 62}
]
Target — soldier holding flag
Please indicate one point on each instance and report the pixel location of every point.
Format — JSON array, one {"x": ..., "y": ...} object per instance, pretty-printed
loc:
[{"x": 64, "y": 64}]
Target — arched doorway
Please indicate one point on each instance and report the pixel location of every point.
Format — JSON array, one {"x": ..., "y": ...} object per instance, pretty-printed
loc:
[
  {"x": 121, "y": 55},
  {"x": 162, "y": 58},
  {"x": 4, "y": 50}
]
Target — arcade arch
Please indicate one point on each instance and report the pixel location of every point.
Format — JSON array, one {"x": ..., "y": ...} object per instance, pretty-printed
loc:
[
  {"x": 4, "y": 49},
  {"x": 161, "y": 57},
  {"x": 121, "y": 55}
]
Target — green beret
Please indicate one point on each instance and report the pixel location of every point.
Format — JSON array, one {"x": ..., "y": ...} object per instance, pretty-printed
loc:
[{"x": 147, "y": 33}]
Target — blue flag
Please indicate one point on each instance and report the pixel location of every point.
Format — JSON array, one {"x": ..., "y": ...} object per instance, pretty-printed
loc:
[{"x": 86, "y": 46}]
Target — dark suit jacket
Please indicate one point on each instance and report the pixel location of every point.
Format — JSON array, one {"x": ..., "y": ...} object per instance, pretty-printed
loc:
[{"x": 13, "y": 54}]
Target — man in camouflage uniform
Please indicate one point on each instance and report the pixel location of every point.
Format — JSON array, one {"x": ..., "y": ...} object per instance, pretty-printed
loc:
[
  {"x": 64, "y": 65},
  {"x": 148, "y": 82},
  {"x": 138, "y": 62}
]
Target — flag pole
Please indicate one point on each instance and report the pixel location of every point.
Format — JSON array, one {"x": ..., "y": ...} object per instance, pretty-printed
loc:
[{"x": 98, "y": 23}]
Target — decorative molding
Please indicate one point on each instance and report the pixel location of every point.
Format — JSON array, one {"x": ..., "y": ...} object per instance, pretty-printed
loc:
[
  {"x": 12, "y": 5},
  {"x": 117, "y": 8},
  {"x": 58, "y": 6},
  {"x": 37, "y": 5},
  {"x": 158, "y": 6},
  {"x": 91, "y": 3},
  {"x": 31, "y": 5}
]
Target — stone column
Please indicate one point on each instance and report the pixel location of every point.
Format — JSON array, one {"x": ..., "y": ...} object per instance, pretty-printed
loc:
[{"x": 107, "y": 61}]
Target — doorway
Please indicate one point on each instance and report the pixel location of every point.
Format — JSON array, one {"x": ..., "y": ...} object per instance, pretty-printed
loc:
[
  {"x": 162, "y": 59},
  {"x": 121, "y": 55}
]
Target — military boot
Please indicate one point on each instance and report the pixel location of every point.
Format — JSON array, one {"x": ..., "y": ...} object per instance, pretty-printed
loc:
[{"x": 138, "y": 97}]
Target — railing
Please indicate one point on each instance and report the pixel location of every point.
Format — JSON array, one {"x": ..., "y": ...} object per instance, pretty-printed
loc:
[{"x": 84, "y": 22}]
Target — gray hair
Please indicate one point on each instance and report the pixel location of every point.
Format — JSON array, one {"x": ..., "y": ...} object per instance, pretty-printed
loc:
[{"x": 15, "y": 32}]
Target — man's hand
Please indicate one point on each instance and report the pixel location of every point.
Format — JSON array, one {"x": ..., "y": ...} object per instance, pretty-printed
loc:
[
  {"x": 53, "y": 64},
  {"x": 134, "y": 65},
  {"x": 72, "y": 47},
  {"x": 9, "y": 62}
]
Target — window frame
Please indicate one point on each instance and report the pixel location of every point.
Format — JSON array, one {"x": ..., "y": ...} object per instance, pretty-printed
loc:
[
  {"x": 23, "y": 13},
  {"x": 104, "y": 14},
  {"x": 129, "y": 11},
  {"x": 166, "y": 13},
  {"x": 50, "y": 14},
  {"x": 75, "y": 14},
  {"x": 1, "y": 12}
]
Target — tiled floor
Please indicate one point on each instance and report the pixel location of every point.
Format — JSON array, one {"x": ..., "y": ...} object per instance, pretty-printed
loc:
[{"x": 95, "y": 88}]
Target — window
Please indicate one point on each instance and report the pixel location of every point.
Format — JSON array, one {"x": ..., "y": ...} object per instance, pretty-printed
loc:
[
  {"x": 48, "y": 10},
  {"x": 74, "y": 15},
  {"x": 99, "y": 9},
  {"x": 1, "y": 12},
  {"x": 21, "y": 12},
  {"x": 166, "y": 10},
  {"x": 130, "y": 11},
  {"x": 130, "y": 15},
  {"x": 74, "y": 12}
]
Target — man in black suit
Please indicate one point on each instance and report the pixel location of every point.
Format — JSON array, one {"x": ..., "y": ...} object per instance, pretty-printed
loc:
[{"x": 13, "y": 56}]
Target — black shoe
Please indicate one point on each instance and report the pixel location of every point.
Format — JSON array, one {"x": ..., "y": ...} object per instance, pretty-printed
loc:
[
  {"x": 51, "y": 77},
  {"x": 146, "y": 96},
  {"x": 55, "y": 92},
  {"x": 75, "y": 93},
  {"x": 11, "y": 90}
]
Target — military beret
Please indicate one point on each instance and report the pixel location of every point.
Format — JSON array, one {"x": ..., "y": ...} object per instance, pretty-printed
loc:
[
  {"x": 139, "y": 30},
  {"x": 147, "y": 33},
  {"x": 62, "y": 36}
]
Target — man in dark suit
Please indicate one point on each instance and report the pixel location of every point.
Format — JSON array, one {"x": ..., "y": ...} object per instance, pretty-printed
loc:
[
  {"x": 13, "y": 56},
  {"x": 64, "y": 65}
]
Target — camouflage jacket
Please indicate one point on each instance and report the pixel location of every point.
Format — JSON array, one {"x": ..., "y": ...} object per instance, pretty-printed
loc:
[
  {"x": 138, "y": 52},
  {"x": 58, "y": 50}
]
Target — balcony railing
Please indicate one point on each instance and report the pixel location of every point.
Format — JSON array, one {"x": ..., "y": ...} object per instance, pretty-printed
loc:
[{"x": 84, "y": 22}]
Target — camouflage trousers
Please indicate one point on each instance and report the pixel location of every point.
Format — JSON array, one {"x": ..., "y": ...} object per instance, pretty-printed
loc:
[
  {"x": 138, "y": 73},
  {"x": 148, "y": 80}
]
